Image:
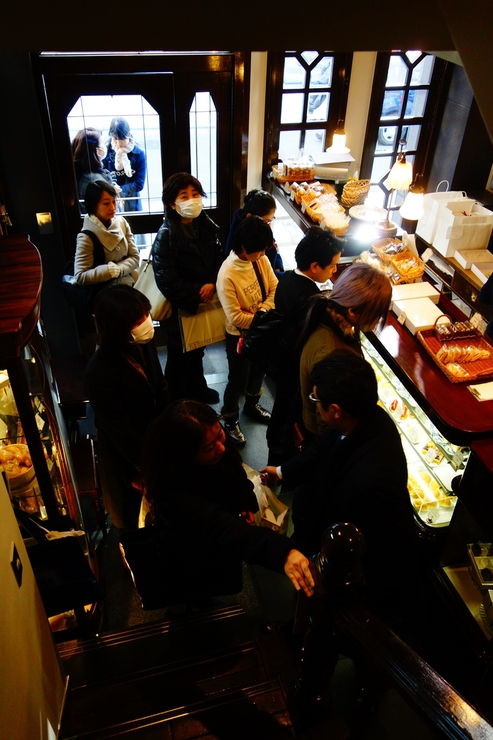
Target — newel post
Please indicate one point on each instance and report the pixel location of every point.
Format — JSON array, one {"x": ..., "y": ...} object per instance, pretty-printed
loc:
[{"x": 339, "y": 577}]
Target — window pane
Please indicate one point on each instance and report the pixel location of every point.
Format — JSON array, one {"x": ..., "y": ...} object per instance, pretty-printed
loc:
[
  {"x": 381, "y": 165},
  {"x": 321, "y": 74},
  {"x": 386, "y": 138},
  {"x": 309, "y": 56},
  {"x": 203, "y": 144},
  {"x": 413, "y": 55},
  {"x": 294, "y": 74},
  {"x": 318, "y": 106},
  {"x": 143, "y": 186},
  {"x": 292, "y": 107},
  {"x": 289, "y": 144},
  {"x": 376, "y": 197},
  {"x": 397, "y": 74},
  {"x": 416, "y": 103},
  {"x": 421, "y": 74},
  {"x": 392, "y": 104},
  {"x": 411, "y": 134},
  {"x": 314, "y": 141}
]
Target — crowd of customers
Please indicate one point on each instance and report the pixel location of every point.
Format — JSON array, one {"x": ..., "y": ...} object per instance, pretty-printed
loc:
[{"x": 161, "y": 442}]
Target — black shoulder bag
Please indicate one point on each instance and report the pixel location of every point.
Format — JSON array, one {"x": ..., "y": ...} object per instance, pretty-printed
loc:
[
  {"x": 81, "y": 297},
  {"x": 269, "y": 342}
]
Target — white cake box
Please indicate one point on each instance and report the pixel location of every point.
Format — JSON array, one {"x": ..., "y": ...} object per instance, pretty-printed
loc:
[
  {"x": 420, "y": 313},
  {"x": 407, "y": 291},
  {"x": 467, "y": 257},
  {"x": 483, "y": 270}
]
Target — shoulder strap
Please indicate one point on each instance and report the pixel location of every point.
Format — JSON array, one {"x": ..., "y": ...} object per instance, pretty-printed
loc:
[
  {"x": 260, "y": 281},
  {"x": 98, "y": 247}
]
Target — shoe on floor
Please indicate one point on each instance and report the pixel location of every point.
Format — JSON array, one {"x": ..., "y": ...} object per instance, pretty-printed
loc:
[
  {"x": 257, "y": 412},
  {"x": 209, "y": 395},
  {"x": 234, "y": 432}
]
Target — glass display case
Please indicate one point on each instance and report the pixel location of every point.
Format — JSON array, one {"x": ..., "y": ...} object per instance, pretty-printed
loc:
[
  {"x": 33, "y": 442},
  {"x": 433, "y": 461}
]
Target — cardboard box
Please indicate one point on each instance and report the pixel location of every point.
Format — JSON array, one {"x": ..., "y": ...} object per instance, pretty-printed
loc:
[
  {"x": 466, "y": 257},
  {"x": 414, "y": 290},
  {"x": 420, "y": 313}
]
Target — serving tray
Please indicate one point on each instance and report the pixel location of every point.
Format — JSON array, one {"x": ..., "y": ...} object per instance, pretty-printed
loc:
[{"x": 477, "y": 370}]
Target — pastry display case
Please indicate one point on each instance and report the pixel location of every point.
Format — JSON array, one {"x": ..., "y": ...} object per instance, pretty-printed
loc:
[
  {"x": 433, "y": 461},
  {"x": 34, "y": 448}
]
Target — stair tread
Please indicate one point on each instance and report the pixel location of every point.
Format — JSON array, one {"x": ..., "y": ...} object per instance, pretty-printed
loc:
[
  {"x": 115, "y": 656},
  {"x": 256, "y": 711}
]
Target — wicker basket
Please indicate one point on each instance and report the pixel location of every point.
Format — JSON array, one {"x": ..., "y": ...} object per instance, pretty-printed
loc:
[{"x": 354, "y": 192}]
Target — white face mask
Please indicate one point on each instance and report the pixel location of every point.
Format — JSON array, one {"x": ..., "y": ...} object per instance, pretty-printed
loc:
[
  {"x": 190, "y": 208},
  {"x": 143, "y": 333}
]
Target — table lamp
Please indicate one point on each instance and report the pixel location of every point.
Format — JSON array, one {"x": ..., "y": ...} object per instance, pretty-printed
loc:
[{"x": 399, "y": 178}]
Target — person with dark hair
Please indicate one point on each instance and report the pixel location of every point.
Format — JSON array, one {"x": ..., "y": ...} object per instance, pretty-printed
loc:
[
  {"x": 187, "y": 255},
  {"x": 203, "y": 503},
  {"x": 258, "y": 203},
  {"x": 88, "y": 152},
  {"x": 354, "y": 472},
  {"x": 360, "y": 301},
  {"x": 126, "y": 162},
  {"x": 127, "y": 391},
  {"x": 317, "y": 256},
  {"x": 246, "y": 284},
  {"x": 101, "y": 224}
]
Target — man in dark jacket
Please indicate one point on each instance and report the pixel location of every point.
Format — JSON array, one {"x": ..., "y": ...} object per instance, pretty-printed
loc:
[
  {"x": 356, "y": 472},
  {"x": 317, "y": 256}
]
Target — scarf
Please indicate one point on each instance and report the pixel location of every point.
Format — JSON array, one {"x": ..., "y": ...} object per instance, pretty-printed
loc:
[{"x": 122, "y": 161}]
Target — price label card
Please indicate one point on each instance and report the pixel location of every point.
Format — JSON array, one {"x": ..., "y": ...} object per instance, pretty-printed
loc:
[
  {"x": 457, "y": 460},
  {"x": 39, "y": 422},
  {"x": 402, "y": 318},
  {"x": 427, "y": 254}
]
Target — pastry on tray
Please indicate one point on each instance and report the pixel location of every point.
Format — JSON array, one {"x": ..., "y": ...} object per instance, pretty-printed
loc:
[
  {"x": 459, "y": 330},
  {"x": 454, "y": 353}
]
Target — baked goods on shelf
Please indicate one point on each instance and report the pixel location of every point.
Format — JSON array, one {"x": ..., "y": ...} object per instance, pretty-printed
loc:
[
  {"x": 407, "y": 265},
  {"x": 387, "y": 248},
  {"x": 294, "y": 170},
  {"x": 451, "y": 331},
  {"x": 451, "y": 353}
]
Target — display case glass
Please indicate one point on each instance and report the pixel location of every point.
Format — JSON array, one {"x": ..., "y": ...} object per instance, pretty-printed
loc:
[
  {"x": 433, "y": 462},
  {"x": 33, "y": 441}
]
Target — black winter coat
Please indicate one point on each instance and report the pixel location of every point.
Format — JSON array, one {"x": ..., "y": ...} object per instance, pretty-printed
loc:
[
  {"x": 182, "y": 265},
  {"x": 125, "y": 402},
  {"x": 360, "y": 479}
]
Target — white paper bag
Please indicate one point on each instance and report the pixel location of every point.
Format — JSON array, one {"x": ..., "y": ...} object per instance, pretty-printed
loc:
[
  {"x": 426, "y": 226},
  {"x": 272, "y": 512},
  {"x": 462, "y": 230},
  {"x": 207, "y": 326}
]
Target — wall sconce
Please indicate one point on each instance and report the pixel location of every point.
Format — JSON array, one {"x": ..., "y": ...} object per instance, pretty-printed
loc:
[
  {"x": 400, "y": 177},
  {"x": 339, "y": 140}
]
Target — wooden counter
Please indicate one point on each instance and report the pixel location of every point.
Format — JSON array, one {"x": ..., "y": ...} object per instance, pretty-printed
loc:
[{"x": 451, "y": 406}]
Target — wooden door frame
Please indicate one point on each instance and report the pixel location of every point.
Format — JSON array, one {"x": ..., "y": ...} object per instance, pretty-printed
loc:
[{"x": 237, "y": 64}]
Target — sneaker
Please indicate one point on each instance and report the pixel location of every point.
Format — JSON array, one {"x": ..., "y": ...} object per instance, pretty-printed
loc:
[
  {"x": 257, "y": 412},
  {"x": 234, "y": 432},
  {"x": 209, "y": 395}
]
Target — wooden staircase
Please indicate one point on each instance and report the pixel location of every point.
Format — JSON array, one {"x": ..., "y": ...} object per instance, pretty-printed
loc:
[{"x": 203, "y": 676}]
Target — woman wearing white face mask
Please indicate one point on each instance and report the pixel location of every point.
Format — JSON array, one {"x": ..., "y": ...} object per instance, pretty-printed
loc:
[
  {"x": 127, "y": 391},
  {"x": 187, "y": 255}
]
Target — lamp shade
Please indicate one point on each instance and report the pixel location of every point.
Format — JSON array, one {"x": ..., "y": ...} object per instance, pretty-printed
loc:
[
  {"x": 412, "y": 208},
  {"x": 400, "y": 176}
]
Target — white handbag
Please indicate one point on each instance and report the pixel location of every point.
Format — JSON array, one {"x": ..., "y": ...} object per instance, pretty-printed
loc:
[{"x": 160, "y": 306}]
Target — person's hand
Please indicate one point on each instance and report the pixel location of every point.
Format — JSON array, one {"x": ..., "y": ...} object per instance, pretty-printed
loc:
[
  {"x": 113, "y": 269},
  {"x": 298, "y": 569},
  {"x": 207, "y": 292},
  {"x": 118, "y": 189},
  {"x": 248, "y": 516},
  {"x": 268, "y": 476}
]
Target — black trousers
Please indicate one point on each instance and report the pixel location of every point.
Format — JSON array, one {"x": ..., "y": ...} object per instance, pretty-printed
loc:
[{"x": 243, "y": 377}]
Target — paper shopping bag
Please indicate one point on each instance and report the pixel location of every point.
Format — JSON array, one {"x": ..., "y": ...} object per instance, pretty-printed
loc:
[
  {"x": 207, "y": 326},
  {"x": 427, "y": 224},
  {"x": 272, "y": 512}
]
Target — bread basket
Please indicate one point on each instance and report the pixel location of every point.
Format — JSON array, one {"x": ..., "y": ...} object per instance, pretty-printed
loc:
[{"x": 354, "y": 192}]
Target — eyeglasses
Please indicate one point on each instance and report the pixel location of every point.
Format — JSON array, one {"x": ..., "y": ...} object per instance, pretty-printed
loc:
[
  {"x": 313, "y": 398},
  {"x": 270, "y": 220}
]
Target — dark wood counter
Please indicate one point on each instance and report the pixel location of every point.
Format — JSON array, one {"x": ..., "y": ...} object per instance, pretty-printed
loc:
[
  {"x": 451, "y": 406},
  {"x": 21, "y": 271}
]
